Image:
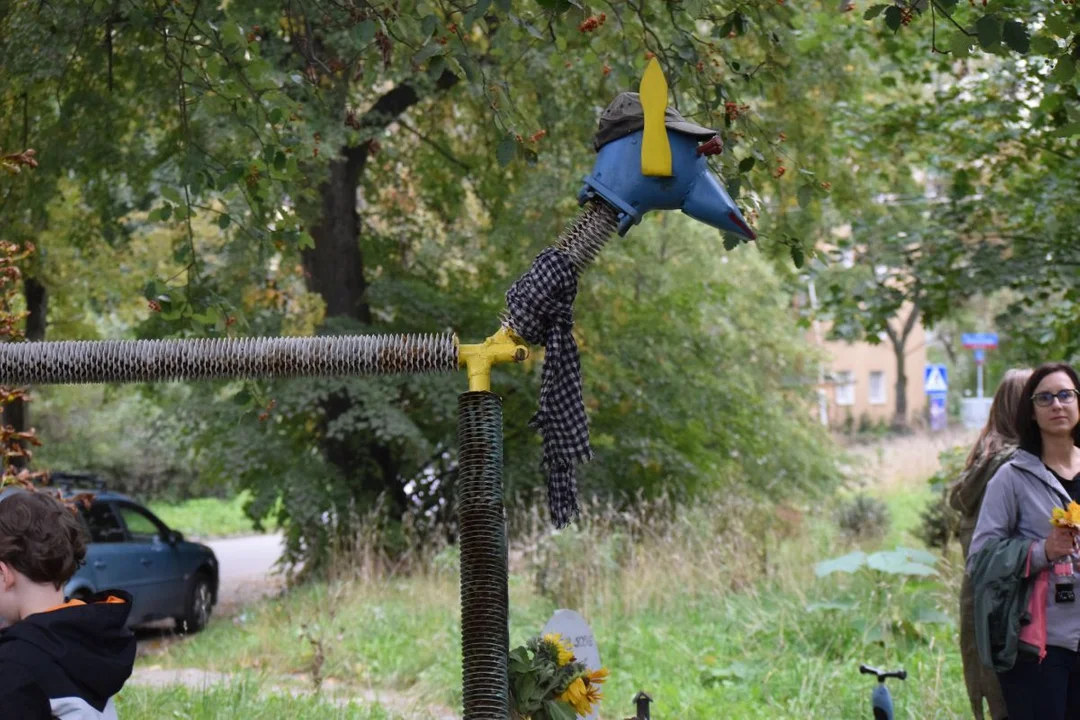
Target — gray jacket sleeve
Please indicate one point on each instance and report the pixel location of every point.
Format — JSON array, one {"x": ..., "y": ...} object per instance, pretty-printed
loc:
[{"x": 998, "y": 518}]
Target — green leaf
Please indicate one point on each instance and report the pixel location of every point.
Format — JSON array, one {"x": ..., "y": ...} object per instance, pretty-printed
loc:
[
  {"x": 842, "y": 605},
  {"x": 224, "y": 220},
  {"x": 806, "y": 195},
  {"x": 170, "y": 193},
  {"x": 731, "y": 241},
  {"x": 747, "y": 164},
  {"x": 276, "y": 116},
  {"x": 365, "y": 32},
  {"x": 1063, "y": 70},
  {"x": 558, "y": 710},
  {"x": 153, "y": 289},
  {"x": 1043, "y": 45},
  {"x": 506, "y": 151},
  {"x": 477, "y": 12},
  {"x": 932, "y": 616},
  {"x": 429, "y": 50},
  {"x": 428, "y": 25},
  {"x": 798, "y": 256},
  {"x": 1016, "y": 36},
  {"x": 305, "y": 241},
  {"x": 873, "y": 11},
  {"x": 1068, "y": 130},
  {"x": 989, "y": 31},
  {"x": 1059, "y": 26},
  {"x": 897, "y": 562},
  {"x": 845, "y": 563},
  {"x": 893, "y": 18},
  {"x": 558, "y": 6},
  {"x": 165, "y": 212}
]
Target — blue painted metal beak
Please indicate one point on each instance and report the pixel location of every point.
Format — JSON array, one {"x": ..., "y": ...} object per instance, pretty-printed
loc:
[{"x": 692, "y": 188}]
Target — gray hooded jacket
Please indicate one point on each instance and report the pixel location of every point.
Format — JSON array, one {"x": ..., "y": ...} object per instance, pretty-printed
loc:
[{"x": 1018, "y": 503}]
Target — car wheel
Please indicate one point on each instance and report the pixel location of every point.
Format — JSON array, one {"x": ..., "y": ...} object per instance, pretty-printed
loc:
[{"x": 198, "y": 605}]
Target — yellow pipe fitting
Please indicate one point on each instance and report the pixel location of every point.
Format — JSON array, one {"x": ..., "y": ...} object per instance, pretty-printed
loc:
[{"x": 502, "y": 347}]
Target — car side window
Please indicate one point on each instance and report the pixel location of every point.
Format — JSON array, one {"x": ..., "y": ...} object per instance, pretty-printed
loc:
[
  {"x": 140, "y": 525},
  {"x": 103, "y": 524}
]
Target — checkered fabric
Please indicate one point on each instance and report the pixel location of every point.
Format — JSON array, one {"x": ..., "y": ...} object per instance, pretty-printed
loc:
[{"x": 540, "y": 308}]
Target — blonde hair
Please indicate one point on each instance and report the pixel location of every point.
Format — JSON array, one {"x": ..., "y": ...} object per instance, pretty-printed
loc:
[{"x": 1000, "y": 429}]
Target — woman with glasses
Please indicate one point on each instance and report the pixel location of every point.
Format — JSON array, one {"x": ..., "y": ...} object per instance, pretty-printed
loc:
[{"x": 1044, "y": 474}]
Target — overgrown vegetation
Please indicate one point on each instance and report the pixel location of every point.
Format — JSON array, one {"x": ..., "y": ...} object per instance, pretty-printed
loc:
[{"x": 715, "y": 611}]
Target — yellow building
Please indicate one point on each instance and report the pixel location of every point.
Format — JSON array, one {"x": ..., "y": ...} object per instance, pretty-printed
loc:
[{"x": 859, "y": 380}]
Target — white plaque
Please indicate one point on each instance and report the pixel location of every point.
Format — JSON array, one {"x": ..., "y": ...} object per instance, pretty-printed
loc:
[{"x": 574, "y": 629}]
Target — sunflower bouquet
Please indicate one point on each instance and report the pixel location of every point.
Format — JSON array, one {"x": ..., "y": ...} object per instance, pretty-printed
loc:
[
  {"x": 548, "y": 683},
  {"x": 1069, "y": 517}
]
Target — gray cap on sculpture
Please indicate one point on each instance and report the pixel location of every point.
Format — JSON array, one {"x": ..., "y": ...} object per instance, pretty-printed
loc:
[{"x": 624, "y": 116}]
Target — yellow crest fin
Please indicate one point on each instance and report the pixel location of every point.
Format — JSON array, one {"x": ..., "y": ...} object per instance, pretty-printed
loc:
[{"x": 655, "y": 147}]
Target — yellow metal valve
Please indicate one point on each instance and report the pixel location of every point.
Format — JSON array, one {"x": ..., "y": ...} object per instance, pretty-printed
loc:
[{"x": 502, "y": 347}]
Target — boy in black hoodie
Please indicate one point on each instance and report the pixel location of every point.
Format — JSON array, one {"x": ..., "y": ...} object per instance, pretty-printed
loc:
[{"x": 58, "y": 659}]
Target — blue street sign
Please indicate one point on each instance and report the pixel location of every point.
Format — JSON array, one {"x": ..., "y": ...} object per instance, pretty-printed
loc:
[
  {"x": 936, "y": 379},
  {"x": 986, "y": 340},
  {"x": 980, "y": 355}
]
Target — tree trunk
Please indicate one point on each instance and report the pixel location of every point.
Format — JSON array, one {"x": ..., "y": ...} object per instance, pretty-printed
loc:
[
  {"x": 17, "y": 414},
  {"x": 900, "y": 419},
  {"x": 899, "y": 344},
  {"x": 334, "y": 268}
]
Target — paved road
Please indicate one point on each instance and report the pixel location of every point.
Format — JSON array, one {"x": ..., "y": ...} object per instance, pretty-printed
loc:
[{"x": 247, "y": 568}]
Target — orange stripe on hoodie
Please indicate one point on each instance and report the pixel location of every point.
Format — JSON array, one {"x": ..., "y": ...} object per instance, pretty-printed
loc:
[{"x": 111, "y": 600}]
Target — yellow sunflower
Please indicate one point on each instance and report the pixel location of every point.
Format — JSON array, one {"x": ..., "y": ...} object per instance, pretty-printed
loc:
[
  {"x": 1069, "y": 517},
  {"x": 577, "y": 697},
  {"x": 595, "y": 677},
  {"x": 562, "y": 647}
]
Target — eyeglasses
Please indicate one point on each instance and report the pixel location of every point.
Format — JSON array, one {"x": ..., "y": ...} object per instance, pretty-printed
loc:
[{"x": 1046, "y": 399}]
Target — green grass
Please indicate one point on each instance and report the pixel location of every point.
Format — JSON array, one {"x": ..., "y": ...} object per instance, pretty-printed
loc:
[
  {"x": 245, "y": 698},
  {"x": 667, "y": 621},
  {"x": 206, "y": 517}
]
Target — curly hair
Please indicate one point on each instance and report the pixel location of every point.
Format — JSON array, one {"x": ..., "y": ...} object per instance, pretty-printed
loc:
[{"x": 41, "y": 538}]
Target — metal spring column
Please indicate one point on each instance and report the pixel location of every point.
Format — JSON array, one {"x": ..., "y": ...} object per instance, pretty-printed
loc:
[{"x": 485, "y": 634}]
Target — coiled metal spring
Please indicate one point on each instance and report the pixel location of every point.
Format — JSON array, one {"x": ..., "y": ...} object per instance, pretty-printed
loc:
[{"x": 122, "y": 361}]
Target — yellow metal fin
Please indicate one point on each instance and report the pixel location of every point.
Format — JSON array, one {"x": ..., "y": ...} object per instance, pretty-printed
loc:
[{"x": 655, "y": 148}]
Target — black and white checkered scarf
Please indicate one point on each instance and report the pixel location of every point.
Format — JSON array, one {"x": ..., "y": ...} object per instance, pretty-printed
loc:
[{"x": 540, "y": 308}]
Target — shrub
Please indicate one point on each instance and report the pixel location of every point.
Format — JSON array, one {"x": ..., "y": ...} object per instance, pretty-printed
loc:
[{"x": 862, "y": 517}]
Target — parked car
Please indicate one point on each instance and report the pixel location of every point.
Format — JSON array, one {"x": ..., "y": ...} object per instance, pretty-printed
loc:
[{"x": 131, "y": 549}]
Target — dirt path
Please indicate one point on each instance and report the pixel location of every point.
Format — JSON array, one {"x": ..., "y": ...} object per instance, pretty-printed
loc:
[
  {"x": 399, "y": 703},
  {"x": 908, "y": 460}
]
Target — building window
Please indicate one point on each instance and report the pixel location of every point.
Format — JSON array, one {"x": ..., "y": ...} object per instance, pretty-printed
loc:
[
  {"x": 845, "y": 387},
  {"x": 878, "y": 396}
]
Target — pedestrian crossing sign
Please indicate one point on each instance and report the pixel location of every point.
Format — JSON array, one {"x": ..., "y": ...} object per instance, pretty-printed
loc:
[{"x": 936, "y": 379}]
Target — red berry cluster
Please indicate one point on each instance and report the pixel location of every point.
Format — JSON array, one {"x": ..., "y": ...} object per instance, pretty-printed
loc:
[
  {"x": 906, "y": 15},
  {"x": 592, "y": 23},
  {"x": 734, "y": 110}
]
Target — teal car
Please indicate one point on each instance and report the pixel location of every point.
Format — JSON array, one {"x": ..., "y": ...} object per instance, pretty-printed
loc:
[{"x": 132, "y": 550}]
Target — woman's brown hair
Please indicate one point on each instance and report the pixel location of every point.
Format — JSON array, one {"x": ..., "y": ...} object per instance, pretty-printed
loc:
[{"x": 1000, "y": 429}]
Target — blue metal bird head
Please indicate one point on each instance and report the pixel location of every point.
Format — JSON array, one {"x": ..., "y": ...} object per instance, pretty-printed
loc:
[{"x": 683, "y": 180}]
